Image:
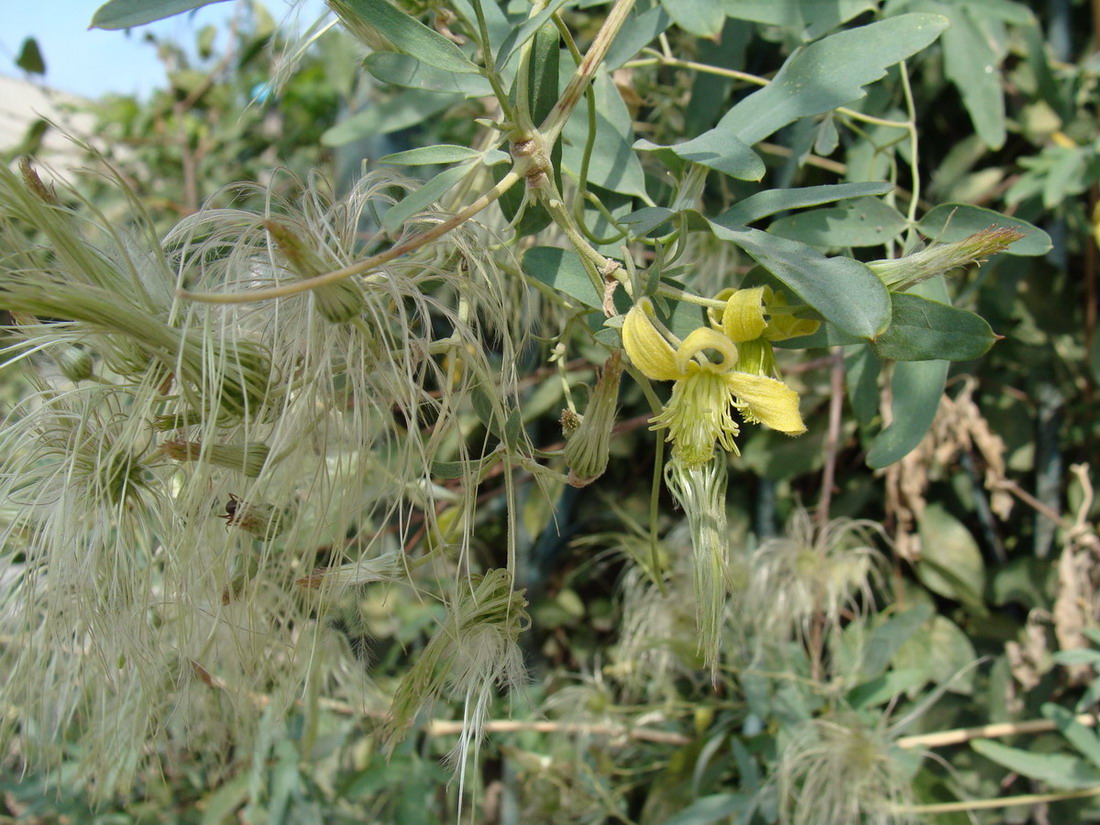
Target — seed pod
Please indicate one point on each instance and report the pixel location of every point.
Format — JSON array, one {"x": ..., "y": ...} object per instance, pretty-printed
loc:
[
  {"x": 75, "y": 363},
  {"x": 588, "y": 448}
]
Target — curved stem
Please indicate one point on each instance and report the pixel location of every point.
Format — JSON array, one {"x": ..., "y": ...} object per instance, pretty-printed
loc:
[{"x": 396, "y": 251}]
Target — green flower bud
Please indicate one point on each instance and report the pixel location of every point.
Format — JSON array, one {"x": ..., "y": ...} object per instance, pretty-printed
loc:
[
  {"x": 587, "y": 450},
  {"x": 244, "y": 458},
  {"x": 75, "y": 363},
  {"x": 900, "y": 274}
]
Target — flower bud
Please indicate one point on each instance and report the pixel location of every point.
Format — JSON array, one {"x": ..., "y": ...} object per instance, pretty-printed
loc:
[
  {"x": 75, "y": 363},
  {"x": 900, "y": 274},
  {"x": 589, "y": 445},
  {"x": 244, "y": 458}
]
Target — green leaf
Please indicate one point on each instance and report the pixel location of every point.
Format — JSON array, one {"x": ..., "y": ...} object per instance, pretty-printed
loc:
[
  {"x": 725, "y": 154},
  {"x": 971, "y": 64},
  {"x": 1056, "y": 769},
  {"x": 422, "y": 198},
  {"x": 951, "y": 564},
  {"x": 890, "y": 635},
  {"x": 954, "y": 221},
  {"x": 122, "y": 14},
  {"x": 638, "y": 31},
  {"x": 917, "y": 388},
  {"x": 809, "y": 17},
  {"x": 613, "y": 164},
  {"x": 882, "y": 689},
  {"x": 1027, "y": 582},
  {"x": 561, "y": 269},
  {"x": 714, "y": 808},
  {"x": 951, "y": 652},
  {"x": 443, "y": 153},
  {"x": 1084, "y": 741},
  {"x": 771, "y": 201},
  {"x": 405, "y": 70},
  {"x": 856, "y": 222},
  {"x": 522, "y": 34},
  {"x": 220, "y": 804},
  {"x": 1077, "y": 656},
  {"x": 829, "y": 73},
  {"x": 410, "y": 36},
  {"x": 703, "y": 18},
  {"x": 843, "y": 290},
  {"x": 30, "y": 57},
  {"x": 925, "y": 330},
  {"x": 861, "y": 371},
  {"x": 391, "y": 115}
]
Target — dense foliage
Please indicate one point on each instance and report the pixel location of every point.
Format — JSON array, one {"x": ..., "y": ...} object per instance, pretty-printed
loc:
[{"x": 565, "y": 411}]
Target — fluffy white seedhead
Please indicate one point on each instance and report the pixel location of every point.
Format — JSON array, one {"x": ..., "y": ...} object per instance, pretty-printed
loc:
[
  {"x": 175, "y": 507},
  {"x": 842, "y": 771},
  {"x": 815, "y": 573}
]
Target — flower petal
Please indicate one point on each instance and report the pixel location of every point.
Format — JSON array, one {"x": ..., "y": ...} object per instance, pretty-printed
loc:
[
  {"x": 703, "y": 338},
  {"x": 647, "y": 348},
  {"x": 781, "y": 325},
  {"x": 743, "y": 318},
  {"x": 767, "y": 401}
]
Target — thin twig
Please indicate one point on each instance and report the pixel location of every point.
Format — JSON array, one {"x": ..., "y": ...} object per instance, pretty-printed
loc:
[
  {"x": 447, "y": 727},
  {"x": 832, "y": 437},
  {"x": 1001, "y": 802},
  {"x": 958, "y": 736}
]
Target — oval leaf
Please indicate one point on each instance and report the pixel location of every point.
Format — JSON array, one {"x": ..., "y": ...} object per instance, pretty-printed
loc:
[
  {"x": 725, "y": 154},
  {"x": 561, "y": 269},
  {"x": 856, "y": 222},
  {"x": 830, "y": 73},
  {"x": 1058, "y": 770},
  {"x": 409, "y": 35},
  {"x": 917, "y": 387},
  {"x": 924, "y": 330},
  {"x": 405, "y": 70},
  {"x": 771, "y": 201},
  {"x": 951, "y": 564},
  {"x": 122, "y": 14}
]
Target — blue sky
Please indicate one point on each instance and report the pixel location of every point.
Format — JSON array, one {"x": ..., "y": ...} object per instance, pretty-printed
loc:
[{"x": 91, "y": 62}]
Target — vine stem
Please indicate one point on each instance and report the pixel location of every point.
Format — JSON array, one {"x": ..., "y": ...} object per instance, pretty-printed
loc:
[
  {"x": 832, "y": 438},
  {"x": 959, "y": 736},
  {"x": 374, "y": 261},
  {"x": 1000, "y": 802},
  {"x": 571, "y": 96}
]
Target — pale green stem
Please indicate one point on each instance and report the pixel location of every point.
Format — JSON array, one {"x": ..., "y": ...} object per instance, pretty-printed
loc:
[
  {"x": 551, "y": 128},
  {"x": 756, "y": 80},
  {"x": 667, "y": 291},
  {"x": 911, "y": 110},
  {"x": 1000, "y": 802},
  {"x": 523, "y": 121},
  {"x": 411, "y": 245},
  {"x": 490, "y": 67},
  {"x": 595, "y": 264}
]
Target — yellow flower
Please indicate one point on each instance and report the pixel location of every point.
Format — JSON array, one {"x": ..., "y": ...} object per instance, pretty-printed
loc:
[
  {"x": 700, "y": 411},
  {"x": 753, "y": 319}
]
